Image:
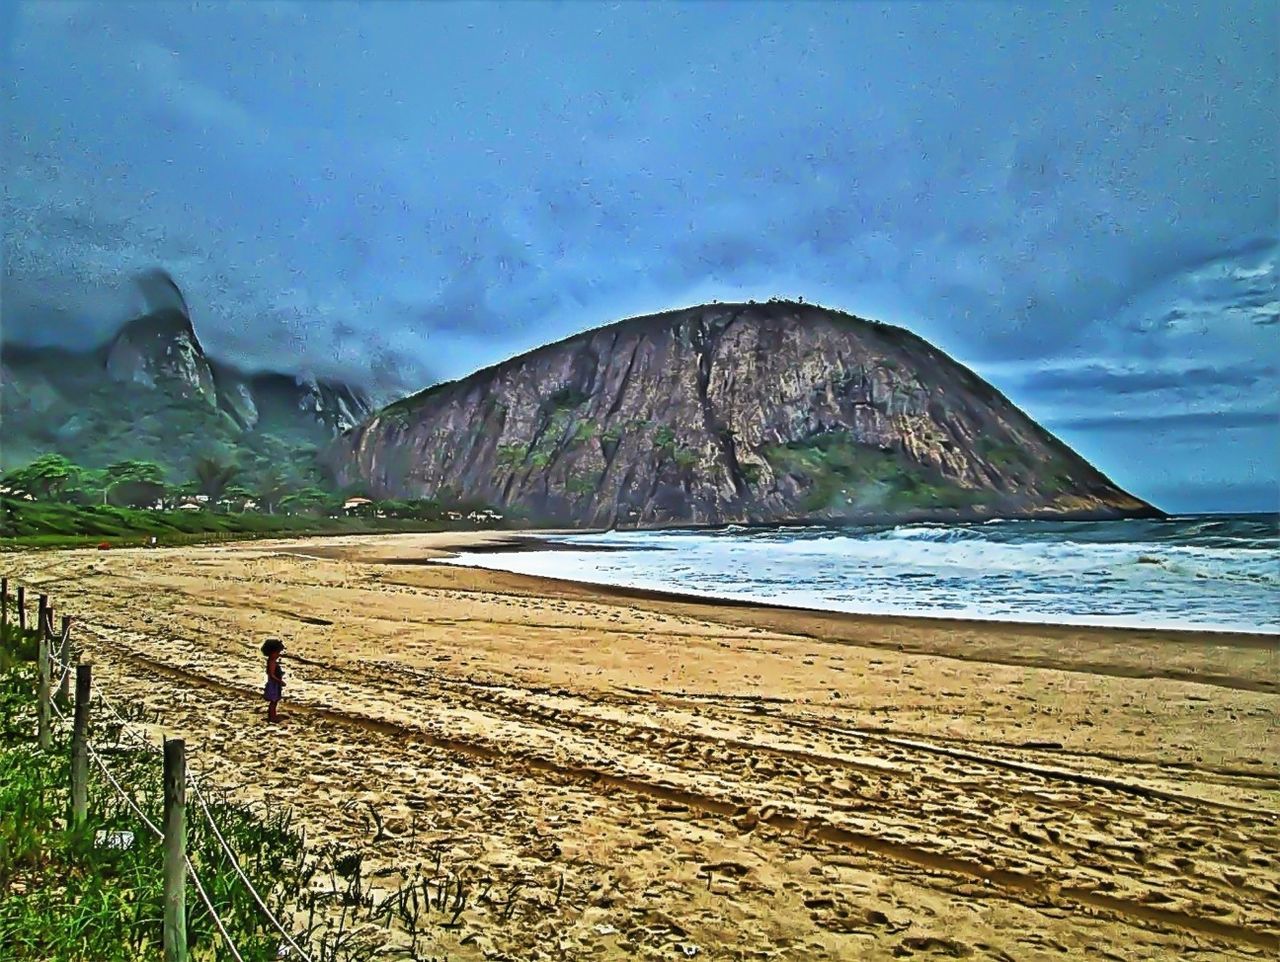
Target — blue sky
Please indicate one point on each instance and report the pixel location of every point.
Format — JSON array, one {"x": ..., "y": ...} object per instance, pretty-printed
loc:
[{"x": 1079, "y": 202}]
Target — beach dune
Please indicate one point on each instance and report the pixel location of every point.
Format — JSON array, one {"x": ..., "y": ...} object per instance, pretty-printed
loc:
[{"x": 625, "y": 774}]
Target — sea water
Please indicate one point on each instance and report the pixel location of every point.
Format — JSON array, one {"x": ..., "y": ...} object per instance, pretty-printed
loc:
[{"x": 1209, "y": 571}]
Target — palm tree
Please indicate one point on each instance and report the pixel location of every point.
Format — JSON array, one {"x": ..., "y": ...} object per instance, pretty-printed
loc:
[
  {"x": 310, "y": 500},
  {"x": 213, "y": 476},
  {"x": 272, "y": 488}
]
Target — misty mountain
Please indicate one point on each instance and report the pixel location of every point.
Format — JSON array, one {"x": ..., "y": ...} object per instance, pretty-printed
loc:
[
  {"x": 151, "y": 392},
  {"x": 724, "y": 413}
]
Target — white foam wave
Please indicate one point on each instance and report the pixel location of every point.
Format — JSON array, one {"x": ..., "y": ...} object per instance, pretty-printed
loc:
[{"x": 1082, "y": 573}]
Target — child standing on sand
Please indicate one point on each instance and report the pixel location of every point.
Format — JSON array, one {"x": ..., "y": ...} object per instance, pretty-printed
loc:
[{"x": 272, "y": 648}]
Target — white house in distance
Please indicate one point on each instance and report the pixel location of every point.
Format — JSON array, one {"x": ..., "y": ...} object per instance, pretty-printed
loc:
[{"x": 355, "y": 504}]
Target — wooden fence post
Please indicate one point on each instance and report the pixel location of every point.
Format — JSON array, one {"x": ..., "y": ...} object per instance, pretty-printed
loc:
[
  {"x": 22, "y": 608},
  {"x": 79, "y": 747},
  {"x": 4, "y": 609},
  {"x": 42, "y": 606},
  {"x": 175, "y": 851},
  {"x": 44, "y": 734}
]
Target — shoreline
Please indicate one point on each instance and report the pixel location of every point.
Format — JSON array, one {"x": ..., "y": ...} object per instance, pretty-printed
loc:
[
  {"x": 1264, "y": 638},
  {"x": 1245, "y": 661},
  {"x": 456, "y": 545}
]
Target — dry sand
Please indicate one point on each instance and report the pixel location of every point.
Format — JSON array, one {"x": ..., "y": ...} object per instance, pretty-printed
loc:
[{"x": 639, "y": 776}]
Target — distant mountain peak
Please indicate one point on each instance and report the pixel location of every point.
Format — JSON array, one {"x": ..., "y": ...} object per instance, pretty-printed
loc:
[
  {"x": 162, "y": 347},
  {"x": 153, "y": 391},
  {"x": 165, "y": 322}
]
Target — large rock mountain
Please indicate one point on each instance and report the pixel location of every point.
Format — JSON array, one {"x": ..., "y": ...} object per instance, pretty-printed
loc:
[
  {"x": 152, "y": 392},
  {"x": 725, "y": 413}
]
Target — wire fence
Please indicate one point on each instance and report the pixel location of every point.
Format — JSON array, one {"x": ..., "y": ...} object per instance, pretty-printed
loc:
[
  {"x": 60, "y": 659},
  {"x": 194, "y": 782}
]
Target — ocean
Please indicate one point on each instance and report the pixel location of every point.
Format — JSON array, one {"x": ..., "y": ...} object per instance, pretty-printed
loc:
[{"x": 1218, "y": 572}]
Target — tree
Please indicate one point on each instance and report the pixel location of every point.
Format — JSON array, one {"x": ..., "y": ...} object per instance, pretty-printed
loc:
[
  {"x": 86, "y": 488},
  {"x": 133, "y": 484},
  {"x": 136, "y": 494},
  {"x": 427, "y": 509},
  {"x": 123, "y": 471},
  {"x": 311, "y": 500},
  {"x": 271, "y": 490},
  {"x": 239, "y": 494},
  {"x": 213, "y": 476},
  {"x": 44, "y": 478}
]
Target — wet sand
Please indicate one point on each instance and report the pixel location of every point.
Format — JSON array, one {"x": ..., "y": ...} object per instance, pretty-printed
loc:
[{"x": 641, "y": 775}]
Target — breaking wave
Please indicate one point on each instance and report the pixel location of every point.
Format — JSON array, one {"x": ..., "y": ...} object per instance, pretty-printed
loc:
[{"x": 1210, "y": 572}]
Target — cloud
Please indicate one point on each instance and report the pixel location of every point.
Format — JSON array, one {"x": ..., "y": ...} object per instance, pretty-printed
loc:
[
  {"x": 1217, "y": 420},
  {"x": 1126, "y": 381},
  {"x": 1264, "y": 315},
  {"x": 394, "y": 193}
]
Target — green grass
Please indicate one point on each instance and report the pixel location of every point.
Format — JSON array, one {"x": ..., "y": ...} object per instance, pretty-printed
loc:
[
  {"x": 1002, "y": 455},
  {"x": 512, "y": 455},
  {"x": 49, "y": 524},
  {"x": 686, "y": 457}
]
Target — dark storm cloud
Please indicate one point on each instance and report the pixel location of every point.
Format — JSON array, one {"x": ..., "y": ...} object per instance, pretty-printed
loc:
[
  {"x": 1218, "y": 420},
  {"x": 1095, "y": 377},
  {"x": 404, "y": 191},
  {"x": 160, "y": 291}
]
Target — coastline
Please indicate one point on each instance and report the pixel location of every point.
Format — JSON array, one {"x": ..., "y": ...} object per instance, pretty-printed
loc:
[
  {"x": 786, "y": 778},
  {"x": 1186, "y": 654},
  {"x": 1230, "y": 635},
  {"x": 454, "y": 547}
]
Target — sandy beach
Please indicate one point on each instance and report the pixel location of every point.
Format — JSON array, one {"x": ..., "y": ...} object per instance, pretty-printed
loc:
[{"x": 646, "y": 776}]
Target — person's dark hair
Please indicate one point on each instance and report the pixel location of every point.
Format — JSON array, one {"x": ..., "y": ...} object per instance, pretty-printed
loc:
[{"x": 272, "y": 646}]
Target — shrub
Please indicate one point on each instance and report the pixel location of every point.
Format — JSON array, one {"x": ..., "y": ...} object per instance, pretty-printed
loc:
[
  {"x": 686, "y": 457},
  {"x": 512, "y": 455},
  {"x": 583, "y": 484}
]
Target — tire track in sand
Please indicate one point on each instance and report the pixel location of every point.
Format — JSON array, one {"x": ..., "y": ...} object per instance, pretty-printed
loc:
[{"x": 744, "y": 818}]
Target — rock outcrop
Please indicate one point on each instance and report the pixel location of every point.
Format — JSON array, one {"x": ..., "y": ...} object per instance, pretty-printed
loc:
[
  {"x": 160, "y": 349},
  {"x": 748, "y": 413},
  {"x": 284, "y": 398}
]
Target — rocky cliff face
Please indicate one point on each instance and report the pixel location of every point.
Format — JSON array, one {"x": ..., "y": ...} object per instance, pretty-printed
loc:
[
  {"x": 161, "y": 349},
  {"x": 729, "y": 413},
  {"x": 281, "y": 398}
]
